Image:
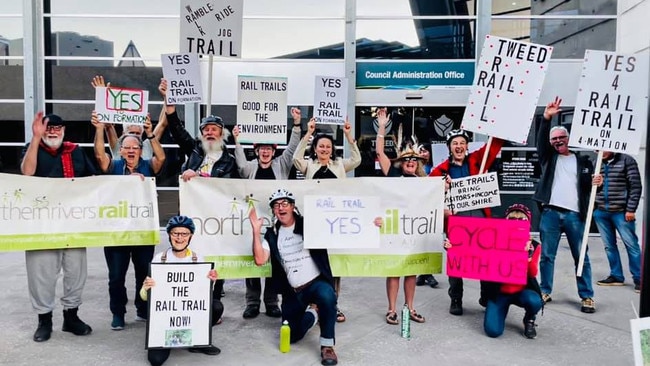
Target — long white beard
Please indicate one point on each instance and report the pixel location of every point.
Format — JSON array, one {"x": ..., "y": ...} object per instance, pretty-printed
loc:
[
  {"x": 53, "y": 143},
  {"x": 212, "y": 146}
]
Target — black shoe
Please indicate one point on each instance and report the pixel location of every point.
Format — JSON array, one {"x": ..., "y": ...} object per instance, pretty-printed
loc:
[
  {"x": 44, "y": 330},
  {"x": 421, "y": 280},
  {"x": 74, "y": 325},
  {"x": 483, "y": 302},
  {"x": 273, "y": 311},
  {"x": 610, "y": 281},
  {"x": 432, "y": 282},
  {"x": 637, "y": 288},
  {"x": 456, "y": 307},
  {"x": 251, "y": 312},
  {"x": 529, "y": 329},
  {"x": 210, "y": 350}
]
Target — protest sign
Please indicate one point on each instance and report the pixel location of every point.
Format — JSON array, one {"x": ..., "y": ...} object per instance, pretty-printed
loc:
[
  {"x": 50, "y": 213},
  {"x": 121, "y": 105},
  {"x": 507, "y": 84},
  {"x": 180, "y": 306},
  {"x": 474, "y": 192},
  {"x": 611, "y": 111},
  {"x": 341, "y": 221},
  {"x": 183, "y": 75},
  {"x": 211, "y": 27},
  {"x": 330, "y": 100},
  {"x": 262, "y": 109},
  {"x": 640, "y": 328},
  {"x": 488, "y": 249}
]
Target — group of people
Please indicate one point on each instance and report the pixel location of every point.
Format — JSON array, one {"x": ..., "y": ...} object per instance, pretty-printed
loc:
[{"x": 303, "y": 277}]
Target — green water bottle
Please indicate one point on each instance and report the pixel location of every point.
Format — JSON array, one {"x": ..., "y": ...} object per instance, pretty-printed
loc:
[
  {"x": 406, "y": 322},
  {"x": 285, "y": 337}
]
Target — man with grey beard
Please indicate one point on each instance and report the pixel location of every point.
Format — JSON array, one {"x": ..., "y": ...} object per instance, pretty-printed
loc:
[{"x": 47, "y": 155}]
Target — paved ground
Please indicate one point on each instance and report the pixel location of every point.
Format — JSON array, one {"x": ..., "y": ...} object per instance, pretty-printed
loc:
[{"x": 565, "y": 335}]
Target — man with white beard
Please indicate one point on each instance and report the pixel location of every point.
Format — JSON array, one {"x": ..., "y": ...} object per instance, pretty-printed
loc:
[{"x": 47, "y": 155}]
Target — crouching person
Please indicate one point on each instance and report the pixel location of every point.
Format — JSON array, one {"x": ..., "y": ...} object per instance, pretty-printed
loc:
[
  {"x": 302, "y": 276},
  {"x": 180, "y": 230}
]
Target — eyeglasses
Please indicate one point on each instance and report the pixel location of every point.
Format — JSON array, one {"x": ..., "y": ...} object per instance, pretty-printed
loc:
[
  {"x": 410, "y": 159},
  {"x": 54, "y": 128},
  {"x": 556, "y": 138},
  {"x": 131, "y": 147},
  {"x": 283, "y": 204},
  {"x": 179, "y": 234},
  {"x": 518, "y": 218}
]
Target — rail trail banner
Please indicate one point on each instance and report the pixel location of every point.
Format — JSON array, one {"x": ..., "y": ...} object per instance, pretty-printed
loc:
[
  {"x": 330, "y": 100},
  {"x": 121, "y": 105},
  {"x": 211, "y": 27},
  {"x": 474, "y": 192},
  {"x": 488, "y": 249},
  {"x": 180, "y": 306},
  {"x": 262, "y": 109},
  {"x": 183, "y": 75},
  {"x": 410, "y": 238},
  {"x": 611, "y": 111},
  {"x": 507, "y": 84},
  {"x": 52, "y": 213}
]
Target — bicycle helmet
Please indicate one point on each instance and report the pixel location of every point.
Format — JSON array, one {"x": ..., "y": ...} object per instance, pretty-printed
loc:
[
  {"x": 521, "y": 208},
  {"x": 457, "y": 133},
  {"x": 281, "y": 194},
  {"x": 181, "y": 221}
]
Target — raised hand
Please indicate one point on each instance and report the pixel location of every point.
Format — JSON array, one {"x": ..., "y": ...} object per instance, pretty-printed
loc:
[{"x": 552, "y": 108}]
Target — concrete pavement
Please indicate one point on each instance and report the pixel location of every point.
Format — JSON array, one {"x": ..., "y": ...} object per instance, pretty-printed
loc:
[{"x": 565, "y": 335}]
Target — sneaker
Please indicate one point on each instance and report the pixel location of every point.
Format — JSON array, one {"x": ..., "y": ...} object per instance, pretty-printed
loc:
[
  {"x": 328, "y": 356},
  {"x": 432, "y": 282},
  {"x": 529, "y": 329},
  {"x": 118, "y": 322},
  {"x": 456, "y": 307},
  {"x": 637, "y": 288},
  {"x": 546, "y": 298},
  {"x": 140, "y": 318},
  {"x": 610, "y": 281},
  {"x": 588, "y": 305},
  {"x": 209, "y": 350}
]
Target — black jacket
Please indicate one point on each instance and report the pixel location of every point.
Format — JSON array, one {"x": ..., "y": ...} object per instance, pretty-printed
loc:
[{"x": 621, "y": 188}]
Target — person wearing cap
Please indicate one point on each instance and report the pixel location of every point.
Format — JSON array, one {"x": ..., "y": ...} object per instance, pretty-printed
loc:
[
  {"x": 302, "y": 276},
  {"x": 563, "y": 196},
  {"x": 266, "y": 166},
  {"x": 461, "y": 164},
  {"x": 180, "y": 230},
  {"x": 501, "y": 295},
  {"x": 410, "y": 165},
  {"x": 130, "y": 162},
  {"x": 47, "y": 155},
  {"x": 324, "y": 164}
]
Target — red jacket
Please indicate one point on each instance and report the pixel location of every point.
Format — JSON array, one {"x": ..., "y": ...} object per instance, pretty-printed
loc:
[{"x": 533, "y": 268}]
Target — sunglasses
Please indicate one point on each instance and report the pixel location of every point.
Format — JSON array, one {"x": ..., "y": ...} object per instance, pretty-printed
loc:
[{"x": 410, "y": 159}]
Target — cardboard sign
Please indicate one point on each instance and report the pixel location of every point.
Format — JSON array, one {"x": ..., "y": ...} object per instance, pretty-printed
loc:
[
  {"x": 212, "y": 27},
  {"x": 611, "y": 111},
  {"x": 121, "y": 105},
  {"x": 341, "y": 221},
  {"x": 488, "y": 249},
  {"x": 180, "y": 306},
  {"x": 183, "y": 75},
  {"x": 474, "y": 192},
  {"x": 507, "y": 84},
  {"x": 330, "y": 100},
  {"x": 262, "y": 109}
]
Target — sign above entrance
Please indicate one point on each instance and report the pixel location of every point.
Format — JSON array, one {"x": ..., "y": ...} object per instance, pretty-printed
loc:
[{"x": 414, "y": 75}]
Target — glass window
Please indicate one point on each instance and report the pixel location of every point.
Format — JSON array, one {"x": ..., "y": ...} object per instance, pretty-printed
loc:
[
  {"x": 414, "y": 7},
  {"x": 295, "y": 8},
  {"x": 576, "y": 7},
  {"x": 162, "y": 7}
]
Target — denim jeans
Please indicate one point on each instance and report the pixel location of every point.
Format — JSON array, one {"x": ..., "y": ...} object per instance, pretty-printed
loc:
[
  {"x": 321, "y": 293},
  {"x": 552, "y": 223},
  {"x": 117, "y": 261},
  {"x": 610, "y": 222},
  {"x": 497, "y": 310}
]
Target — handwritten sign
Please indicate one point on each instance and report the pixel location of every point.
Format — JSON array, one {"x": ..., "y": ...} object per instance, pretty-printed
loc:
[
  {"x": 121, "y": 106},
  {"x": 488, "y": 249},
  {"x": 330, "y": 100},
  {"x": 341, "y": 222},
  {"x": 474, "y": 192},
  {"x": 180, "y": 305},
  {"x": 262, "y": 109},
  {"x": 212, "y": 27},
  {"x": 183, "y": 76},
  {"x": 611, "y": 111},
  {"x": 507, "y": 84}
]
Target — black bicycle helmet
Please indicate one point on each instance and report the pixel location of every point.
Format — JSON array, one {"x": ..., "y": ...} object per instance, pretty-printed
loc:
[{"x": 181, "y": 221}]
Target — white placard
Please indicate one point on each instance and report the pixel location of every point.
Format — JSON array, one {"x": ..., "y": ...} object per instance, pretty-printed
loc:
[
  {"x": 507, "y": 84},
  {"x": 121, "y": 105},
  {"x": 183, "y": 75},
  {"x": 341, "y": 222},
  {"x": 212, "y": 27},
  {"x": 330, "y": 100},
  {"x": 262, "y": 109},
  {"x": 641, "y": 340},
  {"x": 611, "y": 111},
  {"x": 180, "y": 306},
  {"x": 474, "y": 192}
]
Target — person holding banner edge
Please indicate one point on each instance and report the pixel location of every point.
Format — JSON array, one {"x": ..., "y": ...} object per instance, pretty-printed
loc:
[
  {"x": 563, "y": 196},
  {"x": 266, "y": 166}
]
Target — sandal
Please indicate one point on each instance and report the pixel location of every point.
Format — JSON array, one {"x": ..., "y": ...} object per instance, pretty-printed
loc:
[
  {"x": 417, "y": 317},
  {"x": 340, "y": 317},
  {"x": 391, "y": 318}
]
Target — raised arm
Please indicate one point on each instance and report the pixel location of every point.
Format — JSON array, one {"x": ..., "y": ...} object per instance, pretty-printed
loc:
[
  {"x": 384, "y": 161},
  {"x": 158, "y": 158},
  {"x": 354, "y": 160},
  {"x": 244, "y": 166},
  {"x": 103, "y": 160},
  {"x": 286, "y": 158},
  {"x": 260, "y": 254},
  {"x": 39, "y": 126},
  {"x": 544, "y": 148},
  {"x": 299, "y": 155},
  {"x": 162, "y": 88}
]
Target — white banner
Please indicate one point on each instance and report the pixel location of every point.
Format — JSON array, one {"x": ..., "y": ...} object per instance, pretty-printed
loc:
[
  {"x": 262, "y": 109},
  {"x": 474, "y": 192},
  {"x": 49, "y": 213},
  {"x": 410, "y": 240},
  {"x": 330, "y": 100},
  {"x": 211, "y": 27},
  {"x": 180, "y": 306},
  {"x": 507, "y": 84},
  {"x": 121, "y": 105},
  {"x": 183, "y": 75},
  {"x": 611, "y": 111}
]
